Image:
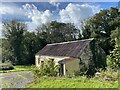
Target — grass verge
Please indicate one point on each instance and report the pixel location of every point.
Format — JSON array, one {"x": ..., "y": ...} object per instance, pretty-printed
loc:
[
  {"x": 17, "y": 68},
  {"x": 78, "y": 82}
]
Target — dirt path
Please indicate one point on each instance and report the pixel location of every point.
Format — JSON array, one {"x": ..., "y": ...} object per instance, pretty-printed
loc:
[{"x": 16, "y": 79}]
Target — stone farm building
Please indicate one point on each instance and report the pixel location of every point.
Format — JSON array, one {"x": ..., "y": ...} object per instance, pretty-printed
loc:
[{"x": 73, "y": 56}]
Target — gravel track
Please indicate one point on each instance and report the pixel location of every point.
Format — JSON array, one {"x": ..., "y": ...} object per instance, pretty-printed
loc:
[{"x": 16, "y": 79}]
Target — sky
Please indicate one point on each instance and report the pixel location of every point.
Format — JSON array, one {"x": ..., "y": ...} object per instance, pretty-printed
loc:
[{"x": 38, "y": 13}]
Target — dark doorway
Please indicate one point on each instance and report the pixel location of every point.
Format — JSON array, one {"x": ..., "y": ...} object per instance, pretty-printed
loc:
[{"x": 61, "y": 69}]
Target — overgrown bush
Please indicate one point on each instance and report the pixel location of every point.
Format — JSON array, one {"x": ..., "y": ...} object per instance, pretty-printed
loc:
[
  {"x": 48, "y": 68},
  {"x": 108, "y": 75},
  {"x": 113, "y": 60},
  {"x": 5, "y": 66}
]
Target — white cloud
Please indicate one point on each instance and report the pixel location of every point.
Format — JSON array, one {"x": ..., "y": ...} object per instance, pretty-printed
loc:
[
  {"x": 31, "y": 26},
  {"x": 54, "y": 3},
  {"x": 0, "y": 25},
  {"x": 31, "y": 11},
  {"x": 10, "y": 9},
  {"x": 75, "y": 13},
  {"x": 5, "y": 10},
  {"x": 0, "y": 29},
  {"x": 37, "y": 17}
]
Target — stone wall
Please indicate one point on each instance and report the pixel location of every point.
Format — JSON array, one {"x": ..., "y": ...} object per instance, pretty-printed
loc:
[
  {"x": 87, "y": 63},
  {"x": 93, "y": 57}
]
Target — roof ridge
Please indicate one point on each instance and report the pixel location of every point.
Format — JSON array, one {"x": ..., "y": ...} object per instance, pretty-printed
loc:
[{"x": 70, "y": 41}]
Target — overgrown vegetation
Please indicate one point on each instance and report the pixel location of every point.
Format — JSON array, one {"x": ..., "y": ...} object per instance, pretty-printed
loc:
[
  {"x": 107, "y": 79},
  {"x": 5, "y": 66},
  {"x": 48, "y": 68},
  {"x": 113, "y": 59},
  {"x": 75, "y": 82},
  {"x": 100, "y": 27}
]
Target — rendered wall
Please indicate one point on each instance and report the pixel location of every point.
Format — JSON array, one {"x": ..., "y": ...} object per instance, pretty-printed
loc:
[
  {"x": 71, "y": 66},
  {"x": 42, "y": 58}
]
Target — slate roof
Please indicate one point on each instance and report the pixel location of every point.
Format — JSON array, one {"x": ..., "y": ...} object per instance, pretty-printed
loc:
[{"x": 69, "y": 49}]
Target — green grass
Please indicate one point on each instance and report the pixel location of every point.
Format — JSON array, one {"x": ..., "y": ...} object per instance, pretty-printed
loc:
[
  {"x": 79, "y": 82},
  {"x": 17, "y": 68}
]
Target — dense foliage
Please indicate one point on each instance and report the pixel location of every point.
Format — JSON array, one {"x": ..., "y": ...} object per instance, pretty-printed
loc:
[
  {"x": 114, "y": 57},
  {"x": 14, "y": 33},
  {"x": 19, "y": 45},
  {"x": 100, "y": 27},
  {"x": 105, "y": 28},
  {"x": 48, "y": 68},
  {"x": 32, "y": 44},
  {"x": 58, "y": 32}
]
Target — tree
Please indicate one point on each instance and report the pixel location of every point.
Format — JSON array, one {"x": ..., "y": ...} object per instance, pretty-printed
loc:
[
  {"x": 20, "y": 45},
  {"x": 14, "y": 33},
  {"x": 114, "y": 57},
  {"x": 100, "y": 26},
  {"x": 7, "y": 54},
  {"x": 32, "y": 44},
  {"x": 58, "y": 32}
]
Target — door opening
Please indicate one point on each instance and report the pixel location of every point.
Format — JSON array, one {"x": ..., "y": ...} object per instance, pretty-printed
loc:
[{"x": 61, "y": 69}]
